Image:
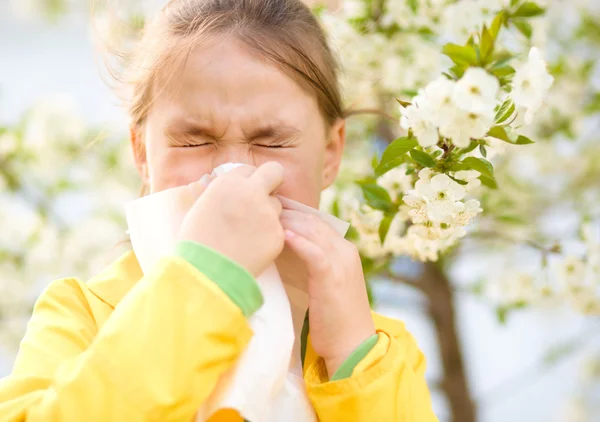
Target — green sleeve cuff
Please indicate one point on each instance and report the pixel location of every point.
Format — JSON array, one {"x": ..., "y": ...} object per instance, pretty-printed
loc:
[
  {"x": 346, "y": 369},
  {"x": 232, "y": 278}
]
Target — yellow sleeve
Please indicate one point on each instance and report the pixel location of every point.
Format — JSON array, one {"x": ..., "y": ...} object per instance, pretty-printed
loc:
[
  {"x": 157, "y": 357},
  {"x": 387, "y": 385}
]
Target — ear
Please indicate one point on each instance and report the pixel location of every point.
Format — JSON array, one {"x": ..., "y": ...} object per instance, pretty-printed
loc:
[
  {"x": 138, "y": 151},
  {"x": 334, "y": 152}
]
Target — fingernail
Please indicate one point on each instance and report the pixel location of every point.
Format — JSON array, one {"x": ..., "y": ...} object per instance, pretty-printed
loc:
[{"x": 289, "y": 234}]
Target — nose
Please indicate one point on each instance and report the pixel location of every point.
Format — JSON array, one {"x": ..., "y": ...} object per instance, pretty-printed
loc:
[{"x": 234, "y": 153}]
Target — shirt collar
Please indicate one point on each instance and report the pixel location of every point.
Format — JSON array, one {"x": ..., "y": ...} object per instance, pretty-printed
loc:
[{"x": 112, "y": 284}]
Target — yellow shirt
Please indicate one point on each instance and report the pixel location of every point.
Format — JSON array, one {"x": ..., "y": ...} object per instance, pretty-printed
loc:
[{"x": 129, "y": 347}]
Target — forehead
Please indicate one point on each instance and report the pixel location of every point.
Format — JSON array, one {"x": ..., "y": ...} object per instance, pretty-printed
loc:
[{"x": 223, "y": 76}]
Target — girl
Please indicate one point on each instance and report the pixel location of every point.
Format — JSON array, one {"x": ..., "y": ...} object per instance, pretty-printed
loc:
[{"x": 215, "y": 81}]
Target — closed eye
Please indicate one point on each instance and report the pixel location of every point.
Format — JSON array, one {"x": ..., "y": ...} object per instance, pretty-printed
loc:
[
  {"x": 270, "y": 145},
  {"x": 193, "y": 145}
]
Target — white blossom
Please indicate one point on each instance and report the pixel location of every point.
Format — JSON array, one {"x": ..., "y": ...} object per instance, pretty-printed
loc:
[
  {"x": 469, "y": 176},
  {"x": 442, "y": 194},
  {"x": 512, "y": 287},
  {"x": 396, "y": 181},
  {"x": 530, "y": 84},
  {"x": 8, "y": 144},
  {"x": 468, "y": 211},
  {"x": 418, "y": 118},
  {"x": 439, "y": 95},
  {"x": 476, "y": 91},
  {"x": 418, "y": 207},
  {"x": 462, "y": 126},
  {"x": 571, "y": 272},
  {"x": 353, "y": 8},
  {"x": 19, "y": 221}
]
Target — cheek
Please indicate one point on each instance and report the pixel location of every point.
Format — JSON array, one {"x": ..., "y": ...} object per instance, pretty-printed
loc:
[
  {"x": 173, "y": 167},
  {"x": 302, "y": 179}
]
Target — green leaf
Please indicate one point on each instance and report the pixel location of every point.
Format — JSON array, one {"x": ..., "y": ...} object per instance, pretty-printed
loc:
[
  {"x": 457, "y": 71},
  {"x": 463, "y": 56},
  {"x": 437, "y": 153},
  {"x": 499, "y": 132},
  {"x": 374, "y": 161},
  {"x": 335, "y": 207},
  {"x": 410, "y": 92},
  {"x": 422, "y": 158},
  {"x": 393, "y": 155},
  {"x": 470, "y": 148},
  {"x": 523, "y": 27},
  {"x": 505, "y": 111},
  {"x": 501, "y": 59},
  {"x": 487, "y": 45},
  {"x": 482, "y": 165},
  {"x": 523, "y": 140},
  {"x": 403, "y": 103},
  {"x": 490, "y": 182},
  {"x": 483, "y": 151},
  {"x": 460, "y": 182},
  {"x": 503, "y": 71},
  {"x": 501, "y": 314},
  {"x": 511, "y": 219},
  {"x": 497, "y": 25},
  {"x": 528, "y": 10},
  {"x": 376, "y": 196},
  {"x": 414, "y": 5},
  {"x": 384, "y": 226}
]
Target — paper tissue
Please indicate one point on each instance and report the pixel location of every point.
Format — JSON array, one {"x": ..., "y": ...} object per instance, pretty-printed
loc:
[{"x": 266, "y": 384}]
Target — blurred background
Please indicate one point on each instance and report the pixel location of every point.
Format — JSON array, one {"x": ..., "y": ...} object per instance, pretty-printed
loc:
[{"x": 495, "y": 353}]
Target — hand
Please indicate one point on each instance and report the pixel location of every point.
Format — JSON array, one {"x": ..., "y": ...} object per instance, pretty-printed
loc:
[
  {"x": 237, "y": 214},
  {"x": 340, "y": 316}
]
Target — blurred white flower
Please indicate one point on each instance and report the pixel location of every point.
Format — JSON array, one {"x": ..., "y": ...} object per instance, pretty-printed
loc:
[
  {"x": 8, "y": 144},
  {"x": 354, "y": 9},
  {"x": 571, "y": 272},
  {"x": 366, "y": 223},
  {"x": 468, "y": 211},
  {"x": 19, "y": 221},
  {"x": 463, "y": 18},
  {"x": 530, "y": 84},
  {"x": 461, "y": 126},
  {"x": 44, "y": 254},
  {"x": 88, "y": 245},
  {"x": 469, "y": 176},
  {"x": 442, "y": 194},
  {"x": 439, "y": 95},
  {"x": 418, "y": 207},
  {"x": 476, "y": 91},
  {"x": 396, "y": 181},
  {"x": 418, "y": 118},
  {"x": 53, "y": 123},
  {"x": 512, "y": 287}
]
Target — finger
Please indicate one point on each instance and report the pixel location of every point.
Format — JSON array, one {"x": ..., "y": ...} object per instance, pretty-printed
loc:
[
  {"x": 309, "y": 225},
  {"x": 198, "y": 188},
  {"x": 276, "y": 204},
  {"x": 316, "y": 260},
  {"x": 269, "y": 176}
]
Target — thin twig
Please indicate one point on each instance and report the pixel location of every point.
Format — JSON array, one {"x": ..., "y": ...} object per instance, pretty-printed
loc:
[
  {"x": 491, "y": 235},
  {"x": 376, "y": 111}
]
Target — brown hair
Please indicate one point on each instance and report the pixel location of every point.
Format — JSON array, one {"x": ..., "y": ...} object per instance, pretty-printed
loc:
[{"x": 284, "y": 32}]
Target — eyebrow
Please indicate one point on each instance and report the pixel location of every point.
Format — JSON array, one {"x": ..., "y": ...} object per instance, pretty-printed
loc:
[{"x": 271, "y": 130}]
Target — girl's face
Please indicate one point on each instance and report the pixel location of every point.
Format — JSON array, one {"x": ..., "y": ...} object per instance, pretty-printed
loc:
[{"x": 230, "y": 106}]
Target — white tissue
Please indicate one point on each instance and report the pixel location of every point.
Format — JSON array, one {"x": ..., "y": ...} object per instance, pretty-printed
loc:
[{"x": 266, "y": 384}]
